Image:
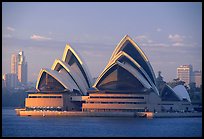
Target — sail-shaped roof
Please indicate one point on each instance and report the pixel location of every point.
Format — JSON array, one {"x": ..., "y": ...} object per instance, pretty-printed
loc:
[
  {"x": 79, "y": 80},
  {"x": 181, "y": 92},
  {"x": 123, "y": 57},
  {"x": 121, "y": 76},
  {"x": 74, "y": 61},
  {"x": 55, "y": 79},
  {"x": 131, "y": 48},
  {"x": 127, "y": 53}
]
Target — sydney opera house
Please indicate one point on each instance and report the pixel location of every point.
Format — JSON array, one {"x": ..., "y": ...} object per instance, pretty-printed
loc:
[{"x": 127, "y": 84}]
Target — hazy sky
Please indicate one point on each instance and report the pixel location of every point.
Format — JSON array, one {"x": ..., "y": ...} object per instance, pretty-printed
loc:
[{"x": 170, "y": 34}]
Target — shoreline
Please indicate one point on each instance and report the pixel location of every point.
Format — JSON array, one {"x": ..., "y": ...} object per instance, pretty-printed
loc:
[{"x": 23, "y": 112}]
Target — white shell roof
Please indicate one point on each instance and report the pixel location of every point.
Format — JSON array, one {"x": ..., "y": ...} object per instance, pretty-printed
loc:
[
  {"x": 62, "y": 78},
  {"x": 131, "y": 70},
  {"x": 81, "y": 61},
  {"x": 77, "y": 79},
  {"x": 135, "y": 73},
  {"x": 119, "y": 53},
  {"x": 137, "y": 48},
  {"x": 122, "y": 53},
  {"x": 181, "y": 92}
]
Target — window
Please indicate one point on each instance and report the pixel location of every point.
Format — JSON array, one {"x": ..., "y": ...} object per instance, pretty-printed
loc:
[{"x": 117, "y": 78}]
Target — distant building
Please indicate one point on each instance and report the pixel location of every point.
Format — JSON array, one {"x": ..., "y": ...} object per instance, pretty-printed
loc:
[
  {"x": 22, "y": 68},
  {"x": 14, "y": 63},
  {"x": 19, "y": 67},
  {"x": 3, "y": 83},
  {"x": 10, "y": 80},
  {"x": 185, "y": 73},
  {"x": 197, "y": 78}
]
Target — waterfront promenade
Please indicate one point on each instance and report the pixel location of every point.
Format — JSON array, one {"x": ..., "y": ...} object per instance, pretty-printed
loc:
[{"x": 23, "y": 112}]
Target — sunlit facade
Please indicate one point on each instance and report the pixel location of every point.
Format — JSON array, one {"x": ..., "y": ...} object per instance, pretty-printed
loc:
[
  {"x": 22, "y": 68},
  {"x": 19, "y": 67},
  {"x": 14, "y": 64},
  {"x": 185, "y": 73}
]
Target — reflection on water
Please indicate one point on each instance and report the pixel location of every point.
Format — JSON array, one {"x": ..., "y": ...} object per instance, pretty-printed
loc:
[{"x": 13, "y": 125}]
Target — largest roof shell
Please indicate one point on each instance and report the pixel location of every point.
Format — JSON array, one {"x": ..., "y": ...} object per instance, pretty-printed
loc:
[
  {"x": 135, "y": 59},
  {"x": 130, "y": 47}
]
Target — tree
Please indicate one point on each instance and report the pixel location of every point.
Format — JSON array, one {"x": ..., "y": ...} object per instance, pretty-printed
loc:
[
  {"x": 176, "y": 82},
  {"x": 160, "y": 82}
]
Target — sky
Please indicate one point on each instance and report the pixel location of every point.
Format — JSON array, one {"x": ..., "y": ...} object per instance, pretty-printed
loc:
[{"x": 169, "y": 33}]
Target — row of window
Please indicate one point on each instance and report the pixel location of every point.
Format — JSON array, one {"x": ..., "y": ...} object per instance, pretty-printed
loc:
[
  {"x": 165, "y": 104},
  {"x": 114, "y": 110},
  {"x": 118, "y": 102},
  {"x": 45, "y": 96},
  {"x": 43, "y": 109},
  {"x": 117, "y": 97}
]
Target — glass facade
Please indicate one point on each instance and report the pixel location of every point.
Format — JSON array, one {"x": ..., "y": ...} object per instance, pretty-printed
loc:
[
  {"x": 48, "y": 83},
  {"x": 114, "y": 110},
  {"x": 117, "y": 78},
  {"x": 131, "y": 50},
  {"x": 123, "y": 97},
  {"x": 45, "y": 97},
  {"x": 126, "y": 60}
]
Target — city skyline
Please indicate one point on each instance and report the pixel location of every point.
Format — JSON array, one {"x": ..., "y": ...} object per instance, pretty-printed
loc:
[{"x": 169, "y": 33}]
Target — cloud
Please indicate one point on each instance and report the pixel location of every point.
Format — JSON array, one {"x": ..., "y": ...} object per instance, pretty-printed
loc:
[
  {"x": 155, "y": 44},
  {"x": 158, "y": 29},
  {"x": 10, "y": 29},
  {"x": 149, "y": 41},
  {"x": 39, "y": 38},
  {"x": 96, "y": 53},
  {"x": 141, "y": 37},
  {"x": 177, "y": 44},
  {"x": 176, "y": 38},
  {"x": 7, "y": 36}
]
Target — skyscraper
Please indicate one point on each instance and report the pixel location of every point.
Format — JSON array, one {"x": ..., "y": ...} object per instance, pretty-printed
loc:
[
  {"x": 197, "y": 78},
  {"x": 22, "y": 68},
  {"x": 10, "y": 80},
  {"x": 14, "y": 63},
  {"x": 185, "y": 73}
]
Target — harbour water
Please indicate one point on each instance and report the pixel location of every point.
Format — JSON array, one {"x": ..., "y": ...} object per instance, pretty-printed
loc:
[{"x": 17, "y": 126}]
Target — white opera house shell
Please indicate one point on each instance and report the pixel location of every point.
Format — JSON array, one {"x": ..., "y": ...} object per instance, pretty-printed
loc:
[
  {"x": 127, "y": 83},
  {"x": 70, "y": 73},
  {"x": 128, "y": 60}
]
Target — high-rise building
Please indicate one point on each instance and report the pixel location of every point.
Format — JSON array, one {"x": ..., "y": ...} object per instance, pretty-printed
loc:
[
  {"x": 3, "y": 81},
  {"x": 19, "y": 67},
  {"x": 14, "y": 63},
  {"x": 197, "y": 78},
  {"x": 11, "y": 80},
  {"x": 185, "y": 73},
  {"x": 22, "y": 68}
]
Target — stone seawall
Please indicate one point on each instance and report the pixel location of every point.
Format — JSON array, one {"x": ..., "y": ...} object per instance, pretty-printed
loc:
[
  {"x": 76, "y": 113},
  {"x": 185, "y": 114},
  {"x": 22, "y": 112}
]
